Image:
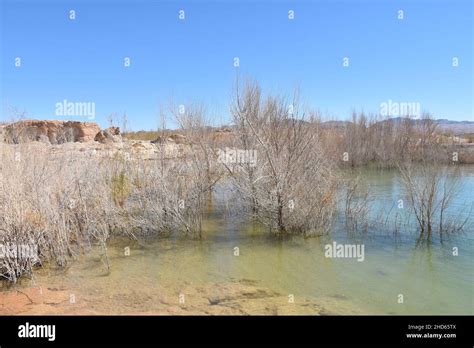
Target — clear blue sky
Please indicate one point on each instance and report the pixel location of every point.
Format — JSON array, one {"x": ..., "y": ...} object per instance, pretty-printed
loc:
[{"x": 81, "y": 60}]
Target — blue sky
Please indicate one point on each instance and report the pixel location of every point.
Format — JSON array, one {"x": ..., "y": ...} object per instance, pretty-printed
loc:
[{"x": 82, "y": 60}]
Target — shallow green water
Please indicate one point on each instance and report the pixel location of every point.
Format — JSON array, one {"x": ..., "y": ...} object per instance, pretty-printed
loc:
[{"x": 431, "y": 279}]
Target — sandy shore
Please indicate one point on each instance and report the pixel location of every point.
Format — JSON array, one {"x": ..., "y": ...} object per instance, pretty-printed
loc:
[{"x": 233, "y": 298}]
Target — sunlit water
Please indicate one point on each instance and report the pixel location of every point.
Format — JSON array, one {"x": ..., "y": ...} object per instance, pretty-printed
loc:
[{"x": 431, "y": 279}]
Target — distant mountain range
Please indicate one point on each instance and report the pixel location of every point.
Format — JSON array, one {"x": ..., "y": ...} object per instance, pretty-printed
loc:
[
  {"x": 445, "y": 121},
  {"x": 456, "y": 127},
  {"x": 438, "y": 121}
]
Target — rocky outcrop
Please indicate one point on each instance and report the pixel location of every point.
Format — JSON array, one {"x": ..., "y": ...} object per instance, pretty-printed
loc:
[
  {"x": 83, "y": 131},
  {"x": 109, "y": 135},
  {"x": 54, "y": 132}
]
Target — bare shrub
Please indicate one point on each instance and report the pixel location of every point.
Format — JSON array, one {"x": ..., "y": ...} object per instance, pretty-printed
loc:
[
  {"x": 202, "y": 151},
  {"x": 384, "y": 142},
  {"x": 58, "y": 206},
  {"x": 430, "y": 189},
  {"x": 163, "y": 196},
  {"x": 291, "y": 187},
  {"x": 167, "y": 195},
  {"x": 356, "y": 204},
  {"x": 63, "y": 205}
]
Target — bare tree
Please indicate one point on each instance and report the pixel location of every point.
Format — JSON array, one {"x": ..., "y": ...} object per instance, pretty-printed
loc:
[
  {"x": 291, "y": 185},
  {"x": 430, "y": 189}
]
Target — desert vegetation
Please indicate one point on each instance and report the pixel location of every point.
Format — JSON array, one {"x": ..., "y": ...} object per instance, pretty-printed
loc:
[
  {"x": 286, "y": 169},
  {"x": 291, "y": 185},
  {"x": 430, "y": 191}
]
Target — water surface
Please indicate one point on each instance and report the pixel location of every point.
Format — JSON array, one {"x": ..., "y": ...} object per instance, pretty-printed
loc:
[{"x": 268, "y": 270}]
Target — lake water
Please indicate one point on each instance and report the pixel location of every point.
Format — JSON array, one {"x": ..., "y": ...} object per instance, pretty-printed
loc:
[{"x": 431, "y": 279}]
